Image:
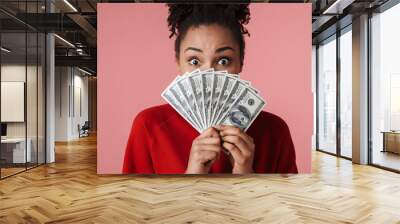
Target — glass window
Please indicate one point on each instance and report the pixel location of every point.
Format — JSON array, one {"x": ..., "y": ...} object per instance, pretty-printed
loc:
[
  {"x": 327, "y": 95},
  {"x": 346, "y": 93},
  {"x": 41, "y": 98},
  {"x": 15, "y": 151},
  {"x": 22, "y": 91},
  {"x": 385, "y": 88}
]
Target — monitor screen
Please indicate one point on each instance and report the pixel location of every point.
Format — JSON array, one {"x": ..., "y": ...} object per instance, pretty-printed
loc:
[{"x": 3, "y": 129}]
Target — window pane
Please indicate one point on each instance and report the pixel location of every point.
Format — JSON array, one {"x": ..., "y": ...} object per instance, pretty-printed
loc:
[
  {"x": 327, "y": 96},
  {"x": 31, "y": 100},
  {"x": 14, "y": 150},
  {"x": 386, "y": 88},
  {"x": 41, "y": 98},
  {"x": 345, "y": 94}
]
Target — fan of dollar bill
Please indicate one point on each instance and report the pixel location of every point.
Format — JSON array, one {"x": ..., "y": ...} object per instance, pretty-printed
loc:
[{"x": 206, "y": 98}]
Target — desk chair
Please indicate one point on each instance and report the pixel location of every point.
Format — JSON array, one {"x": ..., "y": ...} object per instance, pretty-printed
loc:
[{"x": 84, "y": 130}]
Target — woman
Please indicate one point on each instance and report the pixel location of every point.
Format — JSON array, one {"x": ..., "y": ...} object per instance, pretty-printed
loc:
[{"x": 162, "y": 142}]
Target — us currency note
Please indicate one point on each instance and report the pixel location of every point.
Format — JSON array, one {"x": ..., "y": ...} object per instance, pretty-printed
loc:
[
  {"x": 248, "y": 84},
  {"x": 185, "y": 105},
  {"x": 235, "y": 93},
  {"x": 207, "y": 79},
  {"x": 229, "y": 84},
  {"x": 208, "y": 97},
  {"x": 218, "y": 84},
  {"x": 172, "y": 100},
  {"x": 244, "y": 110},
  {"x": 197, "y": 86},
  {"x": 233, "y": 75},
  {"x": 221, "y": 72},
  {"x": 187, "y": 90},
  {"x": 227, "y": 73}
]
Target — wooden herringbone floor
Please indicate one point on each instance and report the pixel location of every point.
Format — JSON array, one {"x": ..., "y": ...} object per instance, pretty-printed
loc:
[{"x": 70, "y": 191}]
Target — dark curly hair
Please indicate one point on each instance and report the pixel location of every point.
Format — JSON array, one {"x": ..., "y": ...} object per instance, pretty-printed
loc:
[{"x": 182, "y": 16}]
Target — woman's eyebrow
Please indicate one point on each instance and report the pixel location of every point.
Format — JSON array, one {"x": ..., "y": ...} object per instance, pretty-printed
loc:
[
  {"x": 224, "y": 49},
  {"x": 193, "y": 49}
]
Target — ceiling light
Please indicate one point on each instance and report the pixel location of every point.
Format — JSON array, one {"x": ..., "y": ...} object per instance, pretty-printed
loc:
[
  {"x": 5, "y": 50},
  {"x": 65, "y": 41},
  {"x": 84, "y": 71},
  {"x": 338, "y": 6},
  {"x": 70, "y": 5}
]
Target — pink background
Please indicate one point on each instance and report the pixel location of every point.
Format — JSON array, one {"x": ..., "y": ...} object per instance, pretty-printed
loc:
[{"x": 136, "y": 62}]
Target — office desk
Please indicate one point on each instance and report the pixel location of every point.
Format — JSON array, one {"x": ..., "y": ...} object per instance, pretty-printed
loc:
[
  {"x": 391, "y": 141},
  {"x": 13, "y": 150}
]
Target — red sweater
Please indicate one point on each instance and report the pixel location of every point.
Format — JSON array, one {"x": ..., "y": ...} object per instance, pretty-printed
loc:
[{"x": 160, "y": 141}]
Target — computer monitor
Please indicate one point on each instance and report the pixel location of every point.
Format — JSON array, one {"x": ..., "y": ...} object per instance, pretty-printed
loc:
[{"x": 3, "y": 129}]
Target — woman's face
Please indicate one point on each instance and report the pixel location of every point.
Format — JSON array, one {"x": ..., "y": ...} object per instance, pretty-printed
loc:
[{"x": 209, "y": 46}]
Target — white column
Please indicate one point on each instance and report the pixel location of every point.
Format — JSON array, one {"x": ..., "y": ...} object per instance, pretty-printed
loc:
[
  {"x": 50, "y": 100},
  {"x": 360, "y": 90},
  {"x": 50, "y": 92}
]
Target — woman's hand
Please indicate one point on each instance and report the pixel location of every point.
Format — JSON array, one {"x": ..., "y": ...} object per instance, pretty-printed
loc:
[
  {"x": 205, "y": 150},
  {"x": 240, "y": 146}
]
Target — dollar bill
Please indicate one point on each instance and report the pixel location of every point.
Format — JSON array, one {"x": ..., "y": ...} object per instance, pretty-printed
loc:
[
  {"x": 179, "y": 95},
  {"x": 207, "y": 79},
  {"x": 230, "y": 87},
  {"x": 227, "y": 86},
  {"x": 227, "y": 73},
  {"x": 234, "y": 94},
  {"x": 208, "y": 97},
  {"x": 188, "y": 93},
  {"x": 218, "y": 84},
  {"x": 172, "y": 100},
  {"x": 196, "y": 83},
  {"x": 233, "y": 75},
  {"x": 244, "y": 110}
]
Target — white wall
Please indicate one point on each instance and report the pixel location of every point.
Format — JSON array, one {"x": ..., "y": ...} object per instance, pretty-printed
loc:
[
  {"x": 80, "y": 84},
  {"x": 33, "y": 127},
  {"x": 16, "y": 73},
  {"x": 69, "y": 84},
  {"x": 61, "y": 103}
]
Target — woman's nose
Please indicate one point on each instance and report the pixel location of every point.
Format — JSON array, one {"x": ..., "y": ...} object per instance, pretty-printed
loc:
[{"x": 206, "y": 65}]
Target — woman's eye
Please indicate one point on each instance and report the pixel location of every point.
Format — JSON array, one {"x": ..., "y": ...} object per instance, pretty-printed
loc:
[
  {"x": 194, "y": 61},
  {"x": 224, "y": 61}
]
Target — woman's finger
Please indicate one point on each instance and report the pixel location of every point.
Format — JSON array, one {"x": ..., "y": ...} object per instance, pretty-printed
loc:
[
  {"x": 209, "y": 141},
  {"x": 232, "y": 130},
  {"x": 233, "y": 150},
  {"x": 214, "y": 148},
  {"x": 209, "y": 132},
  {"x": 238, "y": 142},
  {"x": 208, "y": 156}
]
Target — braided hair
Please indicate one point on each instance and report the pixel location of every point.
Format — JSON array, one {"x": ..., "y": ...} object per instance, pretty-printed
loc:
[{"x": 232, "y": 16}]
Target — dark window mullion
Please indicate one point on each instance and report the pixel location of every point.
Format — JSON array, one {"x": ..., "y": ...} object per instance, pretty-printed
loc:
[
  {"x": 338, "y": 91},
  {"x": 316, "y": 96},
  {"x": 37, "y": 90},
  {"x": 26, "y": 86},
  {"x": 369, "y": 90}
]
